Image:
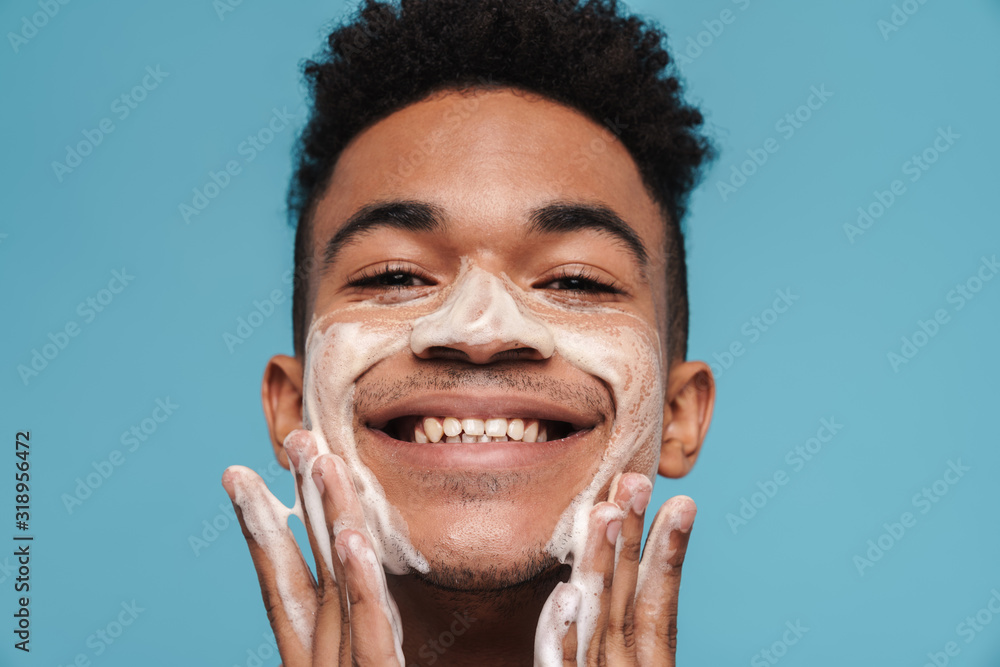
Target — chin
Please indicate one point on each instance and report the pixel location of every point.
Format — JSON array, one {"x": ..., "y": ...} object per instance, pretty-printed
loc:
[{"x": 481, "y": 571}]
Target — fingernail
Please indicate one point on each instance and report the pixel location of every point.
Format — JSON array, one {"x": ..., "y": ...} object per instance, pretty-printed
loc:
[
  {"x": 686, "y": 519},
  {"x": 318, "y": 480},
  {"x": 293, "y": 456},
  {"x": 614, "y": 529},
  {"x": 641, "y": 501},
  {"x": 341, "y": 551}
]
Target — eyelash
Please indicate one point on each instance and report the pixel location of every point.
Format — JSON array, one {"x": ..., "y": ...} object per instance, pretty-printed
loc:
[
  {"x": 374, "y": 277},
  {"x": 591, "y": 283},
  {"x": 371, "y": 277}
]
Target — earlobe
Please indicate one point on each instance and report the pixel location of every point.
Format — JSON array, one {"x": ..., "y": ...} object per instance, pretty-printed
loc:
[
  {"x": 686, "y": 415},
  {"x": 281, "y": 394}
]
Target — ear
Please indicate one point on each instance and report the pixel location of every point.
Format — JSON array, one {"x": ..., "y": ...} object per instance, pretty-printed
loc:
[
  {"x": 281, "y": 394},
  {"x": 687, "y": 412}
]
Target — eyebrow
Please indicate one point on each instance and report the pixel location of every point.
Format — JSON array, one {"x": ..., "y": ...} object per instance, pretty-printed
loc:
[
  {"x": 405, "y": 215},
  {"x": 560, "y": 218},
  {"x": 417, "y": 216}
]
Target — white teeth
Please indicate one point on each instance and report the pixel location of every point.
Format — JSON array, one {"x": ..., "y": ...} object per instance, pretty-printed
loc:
[
  {"x": 496, "y": 427},
  {"x": 452, "y": 426},
  {"x": 530, "y": 431},
  {"x": 419, "y": 435},
  {"x": 433, "y": 429},
  {"x": 474, "y": 426}
]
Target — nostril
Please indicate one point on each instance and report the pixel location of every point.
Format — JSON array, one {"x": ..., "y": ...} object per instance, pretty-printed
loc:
[
  {"x": 479, "y": 354},
  {"x": 516, "y": 354},
  {"x": 442, "y": 352}
]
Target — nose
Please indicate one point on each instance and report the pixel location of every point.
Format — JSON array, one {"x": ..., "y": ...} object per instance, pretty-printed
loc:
[{"x": 481, "y": 322}]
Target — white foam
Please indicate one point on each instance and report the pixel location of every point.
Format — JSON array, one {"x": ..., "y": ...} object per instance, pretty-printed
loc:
[{"x": 480, "y": 308}]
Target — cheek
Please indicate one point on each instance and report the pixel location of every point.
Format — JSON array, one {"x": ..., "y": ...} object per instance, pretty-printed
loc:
[
  {"x": 337, "y": 353},
  {"x": 622, "y": 350},
  {"x": 622, "y": 353}
]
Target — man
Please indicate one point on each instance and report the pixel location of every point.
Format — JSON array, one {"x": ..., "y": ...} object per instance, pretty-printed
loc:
[{"x": 490, "y": 336}]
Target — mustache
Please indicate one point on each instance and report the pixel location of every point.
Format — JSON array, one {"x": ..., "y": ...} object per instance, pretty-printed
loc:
[{"x": 592, "y": 394}]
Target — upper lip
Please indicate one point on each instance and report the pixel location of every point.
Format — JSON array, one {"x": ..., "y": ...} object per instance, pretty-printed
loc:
[{"x": 483, "y": 405}]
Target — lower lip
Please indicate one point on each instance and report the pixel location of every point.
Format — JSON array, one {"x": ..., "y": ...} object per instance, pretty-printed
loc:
[{"x": 510, "y": 455}]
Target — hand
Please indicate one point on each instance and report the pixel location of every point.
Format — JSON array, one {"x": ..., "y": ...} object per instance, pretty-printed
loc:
[
  {"x": 347, "y": 617},
  {"x": 622, "y": 614}
]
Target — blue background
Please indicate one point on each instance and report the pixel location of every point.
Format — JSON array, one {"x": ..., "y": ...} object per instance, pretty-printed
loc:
[{"x": 161, "y": 337}]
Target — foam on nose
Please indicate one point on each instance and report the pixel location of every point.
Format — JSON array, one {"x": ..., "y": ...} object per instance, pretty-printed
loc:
[{"x": 481, "y": 312}]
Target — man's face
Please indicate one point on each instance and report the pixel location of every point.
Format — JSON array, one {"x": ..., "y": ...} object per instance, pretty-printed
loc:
[{"x": 482, "y": 271}]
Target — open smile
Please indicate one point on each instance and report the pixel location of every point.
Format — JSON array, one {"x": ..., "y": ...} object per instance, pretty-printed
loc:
[{"x": 490, "y": 431}]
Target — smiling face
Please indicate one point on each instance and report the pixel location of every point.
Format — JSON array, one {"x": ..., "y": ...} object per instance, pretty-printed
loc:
[{"x": 486, "y": 348}]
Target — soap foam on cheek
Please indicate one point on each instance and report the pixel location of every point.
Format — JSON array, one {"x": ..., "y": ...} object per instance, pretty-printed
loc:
[
  {"x": 629, "y": 362},
  {"x": 624, "y": 353},
  {"x": 336, "y": 356}
]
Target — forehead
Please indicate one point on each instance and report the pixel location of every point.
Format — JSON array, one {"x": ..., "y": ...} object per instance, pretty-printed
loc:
[{"x": 486, "y": 158}]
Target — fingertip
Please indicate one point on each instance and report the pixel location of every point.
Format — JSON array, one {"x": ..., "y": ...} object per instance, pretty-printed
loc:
[
  {"x": 566, "y": 601},
  {"x": 684, "y": 509},
  {"x": 297, "y": 443},
  {"x": 317, "y": 478},
  {"x": 350, "y": 543},
  {"x": 231, "y": 478},
  {"x": 341, "y": 547},
  {"x": 633, "y": 492}
]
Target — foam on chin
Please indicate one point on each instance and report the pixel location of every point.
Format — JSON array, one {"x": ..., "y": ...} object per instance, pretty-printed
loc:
[{"x": 614, "y": 346}]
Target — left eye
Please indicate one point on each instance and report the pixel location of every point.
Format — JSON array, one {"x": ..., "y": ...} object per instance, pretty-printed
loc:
[
  {"x": 582, "y": 282},
  {"x": 581, "y": 285}
]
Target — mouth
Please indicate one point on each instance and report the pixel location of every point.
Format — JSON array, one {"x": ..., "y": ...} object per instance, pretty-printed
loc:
[
  {"x": 487, "y": 430},
  {"x": 457, "y": 430}
]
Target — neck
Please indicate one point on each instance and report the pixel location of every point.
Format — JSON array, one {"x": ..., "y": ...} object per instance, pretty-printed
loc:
[{"x": 489, "y": 628}]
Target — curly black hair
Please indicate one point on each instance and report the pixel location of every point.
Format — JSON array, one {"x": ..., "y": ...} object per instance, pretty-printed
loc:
[{"x": 589, "y": 55}]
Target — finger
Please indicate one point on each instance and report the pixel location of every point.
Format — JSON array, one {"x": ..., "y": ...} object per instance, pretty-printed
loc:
[
  {"x": 301, "y": 450},
  {"x": 594, "y": 575},
  {"x": 329, "y": 475},
  {"x": 329, "y": 648},
  {"x": 555, "y": 635},
  {"x": 660, "y": 580},
  {"x": 286, "y": 583},
  {"x": 632, "y": 496},
  {"x": 375, "y": 643}
]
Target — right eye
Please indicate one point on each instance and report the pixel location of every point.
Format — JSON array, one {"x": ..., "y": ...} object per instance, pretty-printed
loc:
[{"x": 388, "y": 277}]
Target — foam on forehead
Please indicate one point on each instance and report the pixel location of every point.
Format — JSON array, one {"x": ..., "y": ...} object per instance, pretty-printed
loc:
[{"x": 476, "y": 309}]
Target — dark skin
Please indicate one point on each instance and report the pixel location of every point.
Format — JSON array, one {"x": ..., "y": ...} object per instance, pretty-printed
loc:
[{"x": 504, "y": 158}]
